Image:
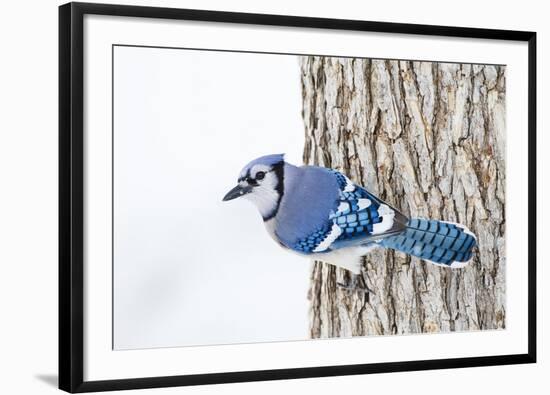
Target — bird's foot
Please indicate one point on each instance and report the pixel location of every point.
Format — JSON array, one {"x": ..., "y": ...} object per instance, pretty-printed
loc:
[{"x": 356, "y": 284}]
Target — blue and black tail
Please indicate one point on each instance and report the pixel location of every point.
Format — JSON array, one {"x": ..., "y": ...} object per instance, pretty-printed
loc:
[{"x": 441, "y": 243}]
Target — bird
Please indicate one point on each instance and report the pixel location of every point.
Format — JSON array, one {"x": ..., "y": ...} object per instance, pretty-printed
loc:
[{"x": 320, "y": 213}]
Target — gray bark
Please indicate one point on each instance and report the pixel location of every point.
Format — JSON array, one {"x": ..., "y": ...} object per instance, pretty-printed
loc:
[{"x": 428, "y": 138}]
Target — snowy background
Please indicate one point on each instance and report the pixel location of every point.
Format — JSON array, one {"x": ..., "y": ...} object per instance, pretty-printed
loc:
[{"x": 190, "y": 269}]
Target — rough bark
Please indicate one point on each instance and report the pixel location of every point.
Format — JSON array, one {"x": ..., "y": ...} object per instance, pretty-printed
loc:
[{"x": 428, "y": 138}]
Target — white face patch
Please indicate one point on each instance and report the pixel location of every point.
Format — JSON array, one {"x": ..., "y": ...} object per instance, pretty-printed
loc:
[
  {"x": 257, "y": 168},
  {"x": 264, "y": 196}
]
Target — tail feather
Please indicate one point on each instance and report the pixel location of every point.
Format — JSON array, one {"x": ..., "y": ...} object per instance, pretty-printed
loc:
[{"x": 441, "y": 243}]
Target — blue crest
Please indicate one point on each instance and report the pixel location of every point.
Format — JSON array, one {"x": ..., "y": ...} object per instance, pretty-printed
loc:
[{"x": 267, "y": 160}]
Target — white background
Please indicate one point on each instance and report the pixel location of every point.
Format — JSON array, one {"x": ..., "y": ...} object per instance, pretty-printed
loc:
[
  {"x": 190, "y": 269},
  {"x": 29, "y": 212},
  {"x": 103, "y": 363}
]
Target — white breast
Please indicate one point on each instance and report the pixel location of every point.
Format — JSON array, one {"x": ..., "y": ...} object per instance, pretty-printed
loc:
[
  {"x": 270, "y": 227},
  {"x": 347, "y": 258}
]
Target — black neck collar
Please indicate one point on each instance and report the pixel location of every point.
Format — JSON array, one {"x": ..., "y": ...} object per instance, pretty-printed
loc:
[{"x": 279, "y": 170}]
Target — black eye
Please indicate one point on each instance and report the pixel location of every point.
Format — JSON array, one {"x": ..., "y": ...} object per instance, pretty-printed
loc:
[{"x": 260, "y": 175}]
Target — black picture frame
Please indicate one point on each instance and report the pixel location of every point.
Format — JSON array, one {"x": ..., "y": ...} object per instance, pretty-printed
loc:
[{"x": 71, "y": 178}]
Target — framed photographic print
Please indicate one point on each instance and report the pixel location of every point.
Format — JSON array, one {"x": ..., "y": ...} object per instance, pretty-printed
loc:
[{"x": 257, "y": 197}]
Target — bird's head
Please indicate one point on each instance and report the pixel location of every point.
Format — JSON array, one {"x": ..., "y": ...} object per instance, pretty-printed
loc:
[{"x": 261, "y": 182}]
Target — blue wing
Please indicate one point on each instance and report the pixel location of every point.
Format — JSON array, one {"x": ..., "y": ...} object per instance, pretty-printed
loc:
[{"x": 358, "y": 217}]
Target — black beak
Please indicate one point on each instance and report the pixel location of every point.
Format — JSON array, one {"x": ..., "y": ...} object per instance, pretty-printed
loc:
[{"x": 236, "y": 192}]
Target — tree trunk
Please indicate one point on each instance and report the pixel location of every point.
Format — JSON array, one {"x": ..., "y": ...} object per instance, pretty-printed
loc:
[{"x": 428, "y": 138}]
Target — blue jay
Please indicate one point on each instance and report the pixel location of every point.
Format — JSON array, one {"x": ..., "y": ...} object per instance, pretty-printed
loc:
[{"x": 318, "y": 212}]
